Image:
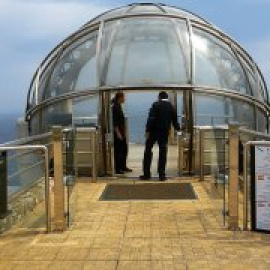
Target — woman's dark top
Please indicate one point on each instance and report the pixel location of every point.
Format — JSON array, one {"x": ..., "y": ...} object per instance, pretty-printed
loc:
[{"x": 118, "y": 118}]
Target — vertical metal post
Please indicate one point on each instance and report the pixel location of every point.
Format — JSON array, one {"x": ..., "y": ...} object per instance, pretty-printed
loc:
[
  {"x": 94, "y": 164},
  {"x": 75, "y": 153},
  {"x": 47, "y": 191},
  {"x": 180, "y": 140},
  {"x": 69, "y": 158},
  {"x": 190, "y": 131},
  {"x": 201, "y": 136},
  {"x": 3, "y": 185},
  {"x": 245, "y": 189},
  {"x": 196, "y": 151},
  {"x": 59, "y": 199},
  {"x": 103, "y": 132},
  {"x": 233, "y": 175}
]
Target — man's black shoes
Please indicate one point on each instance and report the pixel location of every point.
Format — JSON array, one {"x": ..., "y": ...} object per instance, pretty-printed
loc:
[
  {"x": 162, "y": 178},
  {"x": 145, "y": 177},
  {"x": 119, "y": 172},
  {"x": 123, "y": 171}
]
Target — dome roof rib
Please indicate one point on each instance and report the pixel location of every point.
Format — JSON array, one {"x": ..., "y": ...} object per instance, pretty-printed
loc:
[{"x": 146, "y": 8}]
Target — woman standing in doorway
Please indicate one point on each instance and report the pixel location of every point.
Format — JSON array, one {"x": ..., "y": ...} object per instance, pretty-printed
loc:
[{"x": 119, "y": 131}]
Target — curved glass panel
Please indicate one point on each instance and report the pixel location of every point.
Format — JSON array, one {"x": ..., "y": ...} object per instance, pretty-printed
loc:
[
  {"x": 85, "y": 111},
  {"x": 262, "y": 121},
  {"x": 57, "y": 114},
  {"x": 218, "y": 110},
  {"x": 145, "y": 51},
  {"x": 216, "y": 65},
  {"x": 181, "y": 114},
  {"x": 76, "y": 70},
  {"x": 35, "y": 123},
  {"x": 108, "y": 35},
  {"x": 33, "y": 94},
  {"x": 108, "y": 15},
  {"x": 252, "y": 78},
  {"x": 253, "y": 84},
  {"x": 145, "y": 9},
  {"x": 42, "y": 93},
  {"x": 262, "y": 89},
  {"x": 182, "y": 13},
  {"x": 244, "y": 113}
]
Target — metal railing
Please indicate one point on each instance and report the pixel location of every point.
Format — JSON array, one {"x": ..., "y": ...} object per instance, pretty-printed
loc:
[
  {"x": 44, "y": 149},
  {"x": 24, "y": 148},
  {"x": 205, "y": 136},
  {"x": 85, "y": 151},
  {"x": 60, "y": 154},
  {"x": 234, "y": 164},
  {"x": 214, "y": 120}
]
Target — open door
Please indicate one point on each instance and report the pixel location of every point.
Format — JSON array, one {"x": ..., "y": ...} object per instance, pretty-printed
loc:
[{"x": 136, "y": 109}]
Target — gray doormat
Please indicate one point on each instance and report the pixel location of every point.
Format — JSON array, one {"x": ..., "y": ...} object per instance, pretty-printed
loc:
[{"x": 161, "y": 191}]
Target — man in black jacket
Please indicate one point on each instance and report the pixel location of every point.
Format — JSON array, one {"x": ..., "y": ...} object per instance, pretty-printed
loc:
[{"x": 161, "y": 116}]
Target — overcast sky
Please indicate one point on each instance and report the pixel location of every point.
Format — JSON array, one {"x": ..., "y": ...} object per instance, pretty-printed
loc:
[{"x": 30, "y": 29}]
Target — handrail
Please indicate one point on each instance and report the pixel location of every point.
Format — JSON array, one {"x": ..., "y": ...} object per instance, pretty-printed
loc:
[
  {"x": 27, "y": 140},
  {"x": 85, "y": 117},
  {"x": 216, "y": 127},
  {"x": 254, "y": 133},
  {"x": 47, "y": 181}
]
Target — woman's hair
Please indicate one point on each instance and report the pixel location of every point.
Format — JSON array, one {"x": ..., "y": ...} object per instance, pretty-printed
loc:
[{"x": 117, "y": 96}]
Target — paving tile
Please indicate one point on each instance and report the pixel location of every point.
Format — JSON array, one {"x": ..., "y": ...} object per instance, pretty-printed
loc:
[
  {"x": 37, "y": 253},
  {"x": 6, "y": 265},
  {"x": 72, "y": 254},
  {"x": 168, "y": 265},
  {"x": 32, "y": 265},
  {"x": 113, "y": 243},
  {"x": 67, "y": 265},
  {"x": 134, "y": 265},
  {"x": 100, "y": 265},
  {"x": 136, "y": 249},
  {"x": 102, "y": 254},
  {"x": 11, "y": 250}
]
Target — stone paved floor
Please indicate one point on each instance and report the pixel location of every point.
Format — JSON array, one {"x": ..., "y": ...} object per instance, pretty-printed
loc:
[{"x": 137, "y": 235}]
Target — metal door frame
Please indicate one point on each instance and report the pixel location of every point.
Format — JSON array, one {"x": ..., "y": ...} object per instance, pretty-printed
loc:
[{"x": 107, "y": 144}]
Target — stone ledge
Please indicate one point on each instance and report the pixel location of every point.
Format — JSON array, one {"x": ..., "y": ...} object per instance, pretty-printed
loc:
[{"x": 22, "y": 204}]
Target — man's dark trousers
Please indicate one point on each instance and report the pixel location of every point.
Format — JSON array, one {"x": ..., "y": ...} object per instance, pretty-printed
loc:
[
  {"x": 120, "y": 153},
  {"x": 162, "y": 140}
]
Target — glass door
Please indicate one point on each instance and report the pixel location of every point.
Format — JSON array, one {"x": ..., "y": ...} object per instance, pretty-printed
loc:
[{"x": 136, "y": 109}]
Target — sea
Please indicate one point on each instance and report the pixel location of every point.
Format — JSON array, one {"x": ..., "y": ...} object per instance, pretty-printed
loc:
[{"x": 8, "y": 130}]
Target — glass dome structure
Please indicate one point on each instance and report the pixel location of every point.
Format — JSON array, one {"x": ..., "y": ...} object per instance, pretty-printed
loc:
[{"x": 145, "y": 48}]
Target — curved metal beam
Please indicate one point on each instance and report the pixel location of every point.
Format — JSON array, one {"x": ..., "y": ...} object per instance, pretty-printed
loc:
[{"x": 203, "y": 89}]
